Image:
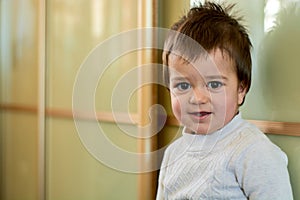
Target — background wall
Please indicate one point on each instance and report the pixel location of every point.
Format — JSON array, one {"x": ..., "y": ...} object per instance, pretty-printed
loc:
[
  {"x": 18, "y": 83},
  {"x": 74, "y": 28},
  {"x": 60, "y": 167}
]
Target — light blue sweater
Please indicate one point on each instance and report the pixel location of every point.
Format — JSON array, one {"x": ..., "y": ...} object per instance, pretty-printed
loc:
[{"x": 236, "y": 162}]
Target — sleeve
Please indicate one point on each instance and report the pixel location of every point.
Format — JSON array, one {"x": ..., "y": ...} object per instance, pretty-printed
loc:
[
  {"x": 162, "y": 174},
  {"x": 160, "y": 190},
  {"x": 262, "y": 172}
]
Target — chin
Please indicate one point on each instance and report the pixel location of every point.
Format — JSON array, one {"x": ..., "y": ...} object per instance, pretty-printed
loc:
[{"x": 202, "y": 131}]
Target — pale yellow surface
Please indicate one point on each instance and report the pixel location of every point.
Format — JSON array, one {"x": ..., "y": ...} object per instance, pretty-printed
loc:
[
  {"x": 72, "y": 171},
  {"x": 18, "y": 85},
  {"x": 18, "y": 156},
  {"x": 19, "y": 52},
  {"x": 74, "y": 30}
]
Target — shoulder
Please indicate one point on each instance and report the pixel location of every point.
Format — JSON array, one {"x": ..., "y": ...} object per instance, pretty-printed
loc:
[
  {"x": 260, "y": 166},
  {"x": 253, "y": 142},
  {"x": 252, "y": 147}
]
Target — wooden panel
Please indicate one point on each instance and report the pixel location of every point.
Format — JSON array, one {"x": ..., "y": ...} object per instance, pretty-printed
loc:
[
  {"x": 269, "y": 127},
  {"x": 148, "y": 13},
  {"x": 61, "y": 113},
  {"x": 41, "y": 99},
  {"x": 278, "y": 128}
]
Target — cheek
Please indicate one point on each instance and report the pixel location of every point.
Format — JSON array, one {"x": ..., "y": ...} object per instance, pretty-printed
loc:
[
  {"x": 176, "y": 107},
  {"x": 225, "y": 104},
  {"x": 232, "y": 102}
]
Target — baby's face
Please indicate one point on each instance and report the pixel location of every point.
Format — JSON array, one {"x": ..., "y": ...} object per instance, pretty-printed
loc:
[{"x": 205, "y": 94}]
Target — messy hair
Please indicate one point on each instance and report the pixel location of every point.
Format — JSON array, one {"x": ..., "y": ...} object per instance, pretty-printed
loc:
[{"x": 211, "y": 26}]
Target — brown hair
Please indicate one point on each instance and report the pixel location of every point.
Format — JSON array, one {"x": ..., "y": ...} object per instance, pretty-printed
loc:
[{"x": 211, "y": 26}]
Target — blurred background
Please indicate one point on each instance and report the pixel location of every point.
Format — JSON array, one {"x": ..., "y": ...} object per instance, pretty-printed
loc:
[{"x": 43, "y": 45}]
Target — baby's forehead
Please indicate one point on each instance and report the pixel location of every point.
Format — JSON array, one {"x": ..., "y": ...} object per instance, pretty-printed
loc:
[
  {"x": 213, "y": 64},
  {"x": 214, "y": 57}
]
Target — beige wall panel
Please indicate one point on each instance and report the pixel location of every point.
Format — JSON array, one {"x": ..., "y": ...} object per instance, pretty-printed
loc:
[
  {"x": 19, "y": 52},
  {"x": 172, "y": 10},
  {"x": 18, "y": 156},
  {"x": 108, "y": 89},
  {"x": 73, "y": 173},
  {"x": 74, "y": 29}
]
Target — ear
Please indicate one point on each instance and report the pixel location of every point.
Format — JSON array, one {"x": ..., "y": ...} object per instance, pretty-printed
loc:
[{"x": 242, "y": 90}]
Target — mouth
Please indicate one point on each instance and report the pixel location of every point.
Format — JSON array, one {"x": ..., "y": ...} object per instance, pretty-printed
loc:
[{"x": 201, "y": 115}]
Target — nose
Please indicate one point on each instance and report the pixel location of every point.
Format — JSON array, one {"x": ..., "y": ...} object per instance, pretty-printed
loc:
[{"x": 199, "y": 96}]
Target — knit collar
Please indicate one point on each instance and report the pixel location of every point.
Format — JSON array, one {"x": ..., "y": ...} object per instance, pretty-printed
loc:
[{"x": 212, "y": 141}]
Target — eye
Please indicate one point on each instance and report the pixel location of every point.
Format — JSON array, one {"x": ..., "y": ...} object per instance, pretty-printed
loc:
[
  {"x": 214, "y": 85},
  {"x": 183, "y": 86}
]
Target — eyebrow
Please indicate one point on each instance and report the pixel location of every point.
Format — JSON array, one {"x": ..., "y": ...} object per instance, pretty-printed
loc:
[
  {"x": 211, "y": 77},
  {"x": 179, "y": 78},
  {"x": 216, "y": 77}
]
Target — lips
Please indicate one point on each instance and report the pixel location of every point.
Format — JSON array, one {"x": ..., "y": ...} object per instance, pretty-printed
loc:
[{"x": 201, "y": 115}]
